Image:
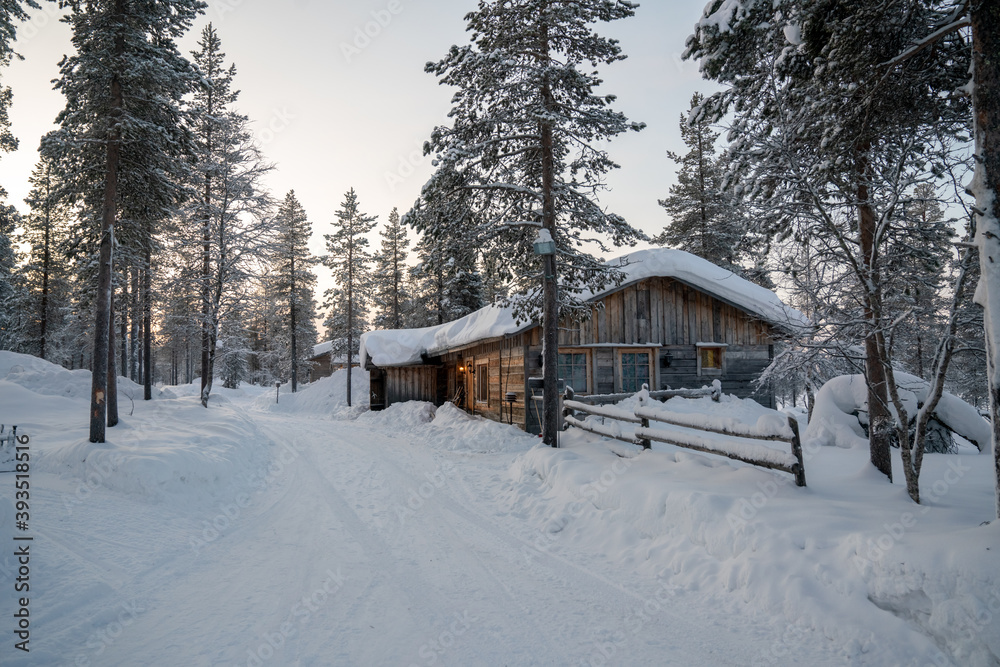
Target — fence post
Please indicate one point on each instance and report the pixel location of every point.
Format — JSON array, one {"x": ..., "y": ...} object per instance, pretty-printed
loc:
[
  {"x": 566, "y": 412},
  {"x": 646, "y": 444},
  {"x": 800, "y": 468}
]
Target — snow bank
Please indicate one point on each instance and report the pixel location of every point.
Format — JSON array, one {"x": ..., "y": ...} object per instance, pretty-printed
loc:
[
  {"x": 449, "y": 428},
  {"x": 326, "y": 397},
  {"x": 407, "y": 346},
  {"x": 170, "y": 448},
  {"x": 456, "y": 430},
  {"x": 849, "y": 557},
  {"x": 401, "y": 416},
  {"x": 835, "y": 420},
  {"x": 47, "y": 379}
]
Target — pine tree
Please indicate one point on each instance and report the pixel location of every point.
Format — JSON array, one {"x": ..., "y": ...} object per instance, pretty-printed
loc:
[
  {"x": 232, "y": 210},
  {"x": 294, "y": 282},
  {"x": 12, "y": 294},
  {"x": 917, "y": 263},
  {"x": 45, "y": 272},
  {"x": 526, "y": 139},
  {"x": 704, "y": 221},
  {"x": 121, "y": 127},
  {"x": 389, "y": 278},
  {"x": 447, "y": 281},
  {"x": 349, "y": 260}
]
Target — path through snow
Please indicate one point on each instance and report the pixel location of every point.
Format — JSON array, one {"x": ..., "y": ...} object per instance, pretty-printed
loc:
[{"x": 366, "y": 545}]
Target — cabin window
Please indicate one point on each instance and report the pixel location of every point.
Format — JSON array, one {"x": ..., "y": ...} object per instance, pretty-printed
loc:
[
  {"x": 482, "y": 383},
  {"x": 711, "y": 358},
  {"x": 635, "y": 371},
  {"x": 573, "y": 369}
]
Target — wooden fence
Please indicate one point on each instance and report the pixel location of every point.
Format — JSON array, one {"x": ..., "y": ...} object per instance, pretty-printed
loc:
[{"x": 740, "y": 444}]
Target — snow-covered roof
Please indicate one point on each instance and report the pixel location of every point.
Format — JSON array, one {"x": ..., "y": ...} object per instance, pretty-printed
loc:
[
  {"x": 322, "y": 348},
  {"x": 327, "y": 348},
  {"x": 407, "y": 346}
]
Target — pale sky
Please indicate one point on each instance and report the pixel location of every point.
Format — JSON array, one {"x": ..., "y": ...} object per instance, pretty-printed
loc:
[{"x": 335, "y": 108}]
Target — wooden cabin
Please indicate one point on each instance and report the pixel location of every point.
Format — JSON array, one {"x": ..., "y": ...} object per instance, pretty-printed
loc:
[
  {"x": 676, "y": 322},
  {"x": 323, "y": 363}
]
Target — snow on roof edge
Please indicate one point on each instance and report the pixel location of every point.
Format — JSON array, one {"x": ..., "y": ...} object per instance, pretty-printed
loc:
[{"x": 404, "y": 347}]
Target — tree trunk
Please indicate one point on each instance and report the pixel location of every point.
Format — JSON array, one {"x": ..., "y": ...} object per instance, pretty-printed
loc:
[
  {"x": 550, "y": 308},
  {"x": 350, "y": 320},
  {"x": 133, "y": 370},
  {"x": 112, "y": 366},
  {"x": 46, "y": 261},
  {"x": 879, "y": 417},
  {"x": 123, "y": 327},
  {"x": 147, "y": 319},
  {"x": 295, "y": 351},
  {"x": 99, "y": 374},
  {"x": 985, "y": 17}
]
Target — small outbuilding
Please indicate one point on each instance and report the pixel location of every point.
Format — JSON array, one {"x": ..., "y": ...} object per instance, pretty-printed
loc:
[
  {"x": 323, "y": 363},
  {"x": 677, "y": 321}
]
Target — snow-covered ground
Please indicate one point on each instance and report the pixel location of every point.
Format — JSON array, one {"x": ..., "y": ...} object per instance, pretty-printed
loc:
[{"x": 307, "y": 533}]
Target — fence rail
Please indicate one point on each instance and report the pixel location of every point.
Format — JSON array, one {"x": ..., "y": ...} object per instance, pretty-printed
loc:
[{"x": 740, "y": 444}]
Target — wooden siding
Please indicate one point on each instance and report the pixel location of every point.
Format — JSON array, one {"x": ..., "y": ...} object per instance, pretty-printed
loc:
[
  {"x": 661, "y": 311},
  {"x": 411, "y": 383},
  {"x": 660, "y": 315}
]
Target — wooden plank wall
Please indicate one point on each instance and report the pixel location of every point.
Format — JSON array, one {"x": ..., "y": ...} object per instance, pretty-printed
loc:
[
  {"x": 411, "y": 383},
  {"x": 664, "y": 312},
  {"x": 519, "y": 360}
]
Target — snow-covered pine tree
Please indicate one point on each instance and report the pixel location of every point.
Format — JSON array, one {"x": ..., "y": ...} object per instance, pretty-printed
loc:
[
  {"x": 828, "y": 137},
  {"x": 11, "y": 13},
  {"x": 231, "y": 212},
  {"x": 703, "y": 218},
  {"x": 918, "y": 262},
  {"x": 527, "y": 136},
  {"x": 13, "y": 313},
  {"x": 44, "y": 231},
  {"x": 294, "y": 282},
  {"x": 389, "y": 278},
  {"x": 351, "y": 264},
  {"x": 447, "y": 282},
  {"x": 122, "y": 122}
]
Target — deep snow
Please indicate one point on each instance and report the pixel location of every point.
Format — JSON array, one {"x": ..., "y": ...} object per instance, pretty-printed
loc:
[{"x": 304, "y": 533}]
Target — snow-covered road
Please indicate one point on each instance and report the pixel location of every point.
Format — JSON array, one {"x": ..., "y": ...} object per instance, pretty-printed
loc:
[{"x": 361, "y": 546}]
